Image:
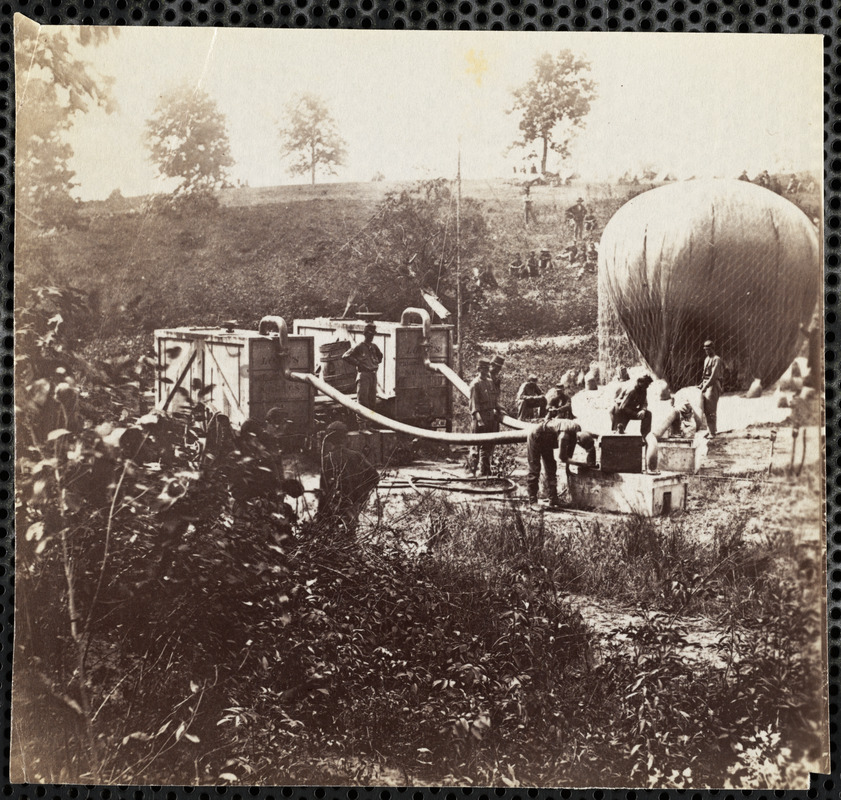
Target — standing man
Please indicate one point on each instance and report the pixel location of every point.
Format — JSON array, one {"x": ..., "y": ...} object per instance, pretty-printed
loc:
[
  {"x": 632, "y": 403},
  {"x": 347, "y": 480},
  {"x": 485, "y": 412},
  {"x": 710, "y": 386},
  {"x": 527, "y": 204},
  {"x": 577, "y": 213},
  {"x": 366, "y": 358}
]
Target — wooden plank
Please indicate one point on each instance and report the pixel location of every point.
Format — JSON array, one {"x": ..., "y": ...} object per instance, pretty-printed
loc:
[
  {"x": 436, "y": 305},
  {"x": 193, "y": 350}
]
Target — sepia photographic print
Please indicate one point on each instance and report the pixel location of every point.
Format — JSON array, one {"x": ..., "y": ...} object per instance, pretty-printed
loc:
[{"x": 401, "y": 408}]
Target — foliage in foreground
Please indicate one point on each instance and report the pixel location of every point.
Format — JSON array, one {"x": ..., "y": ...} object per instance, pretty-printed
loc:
[{"x": 174, "y": 626}]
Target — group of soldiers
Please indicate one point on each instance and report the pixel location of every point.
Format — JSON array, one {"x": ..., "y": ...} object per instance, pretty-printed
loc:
[
  {"x": 556, "y": 427},
  {"x": 581, "y": 251},
  {"x": 583, "y": 254},
  {"x": 792, "y": 184},
  {"x": 347, "y": 478}
]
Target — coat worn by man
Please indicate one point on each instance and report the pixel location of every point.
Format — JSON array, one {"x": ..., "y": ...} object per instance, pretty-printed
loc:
[
  {"x": 710, "y": 387},
  {"x": 548, "y": 434},
  {"x": 530, "y": 400},
  {"x": 632, "y": 403},
  {"x": 558, "y": 398},
  {"x": 485, "y": 412},
  {"x": 366, "y": 358}
]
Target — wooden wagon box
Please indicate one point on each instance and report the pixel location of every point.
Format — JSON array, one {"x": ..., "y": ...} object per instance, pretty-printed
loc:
[{"x": 235, "y": 372}]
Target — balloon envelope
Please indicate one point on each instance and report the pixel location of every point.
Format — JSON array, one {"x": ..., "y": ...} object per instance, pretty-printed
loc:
[{"x": 711, "y": 259}]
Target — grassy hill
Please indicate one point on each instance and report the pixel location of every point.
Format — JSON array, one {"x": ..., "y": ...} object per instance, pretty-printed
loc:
[{"x": 275, "y": 250}]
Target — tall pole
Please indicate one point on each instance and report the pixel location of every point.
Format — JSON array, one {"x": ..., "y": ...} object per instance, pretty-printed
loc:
[{"x": 458, "y": 261}]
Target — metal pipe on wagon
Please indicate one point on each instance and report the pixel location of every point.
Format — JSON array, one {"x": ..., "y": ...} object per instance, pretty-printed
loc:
[{"x": 444, "y": 369}]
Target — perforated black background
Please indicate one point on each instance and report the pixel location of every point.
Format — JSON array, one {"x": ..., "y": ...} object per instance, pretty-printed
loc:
[{"x": 794, "y": 16}]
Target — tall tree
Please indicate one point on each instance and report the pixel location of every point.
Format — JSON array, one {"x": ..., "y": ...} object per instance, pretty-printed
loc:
[
  {"x": 554, "y": 103},
  {"x": 54, "y": 86},
  {"x": 311, "y": 137},
  {"x": 187, "y": 139}
]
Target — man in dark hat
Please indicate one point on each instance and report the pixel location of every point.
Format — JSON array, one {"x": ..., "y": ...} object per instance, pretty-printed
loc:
[
  {"x": 366, "y": 357},
  {"x": 497, "y": 363},
  {"x": 577, "y": 213},
  {"x": 530, "y": 400},
  {"x": 710, "y": 386},
  {"x": 632, "y": 403},
  {"x": 485, "y": 413}
]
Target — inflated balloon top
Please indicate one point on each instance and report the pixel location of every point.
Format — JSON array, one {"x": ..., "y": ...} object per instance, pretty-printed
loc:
[{"x": 711, "y": 259}]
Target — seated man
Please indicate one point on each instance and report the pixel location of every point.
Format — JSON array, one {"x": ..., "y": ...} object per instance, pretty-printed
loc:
[
  {"x": 557, "y": 397},
  {"x": 632, "y": 403},
  {"x": 530, "y": 400}
]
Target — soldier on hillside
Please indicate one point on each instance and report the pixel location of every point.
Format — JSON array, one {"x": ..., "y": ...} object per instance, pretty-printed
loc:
[
  {"x": 577, "y": 213},
  {"x": 528, "y": 205}
]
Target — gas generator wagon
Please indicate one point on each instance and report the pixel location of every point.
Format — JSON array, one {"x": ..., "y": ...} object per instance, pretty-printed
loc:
[{"x": 244, "y": 374}]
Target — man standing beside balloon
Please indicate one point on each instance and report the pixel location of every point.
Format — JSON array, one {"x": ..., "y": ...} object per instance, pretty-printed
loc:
[{"x": 710, "y": 386}]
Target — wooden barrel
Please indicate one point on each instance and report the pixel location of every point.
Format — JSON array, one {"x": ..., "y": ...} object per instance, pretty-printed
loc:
[{"x": 335, "y": 370}]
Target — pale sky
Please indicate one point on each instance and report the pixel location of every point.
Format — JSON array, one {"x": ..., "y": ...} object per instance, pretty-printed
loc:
[{"x": 690, "y": 104}]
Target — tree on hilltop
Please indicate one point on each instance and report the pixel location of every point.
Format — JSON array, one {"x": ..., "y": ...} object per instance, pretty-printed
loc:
[
  {"x": 187, "y": 139},
  {"x": 55, "y": 85},
  {"x": 554, "y": 103},
  {"x": 311, "y": 138}
]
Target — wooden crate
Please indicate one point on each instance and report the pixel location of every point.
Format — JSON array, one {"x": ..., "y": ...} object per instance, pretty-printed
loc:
[
  {"x": 235, "y": 372},
  {"x": 678, "y": 455},
  {"x": 626, "y": 492},
  {"x": 620, "y": 453}
]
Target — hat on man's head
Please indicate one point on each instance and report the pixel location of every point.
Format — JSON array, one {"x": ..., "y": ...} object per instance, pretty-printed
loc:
[
  {"x": 532, "y": 378},
  {"x": 580, "y": 199},
  {"x": 483, "y": 362},
  {"x": 337, "y": 427},
  {"x": 709, "y": 343},
  {"x": 498, "y": 361},
  {"x": 369, "y": 328},
  {"x": 646, "y": 379}
]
